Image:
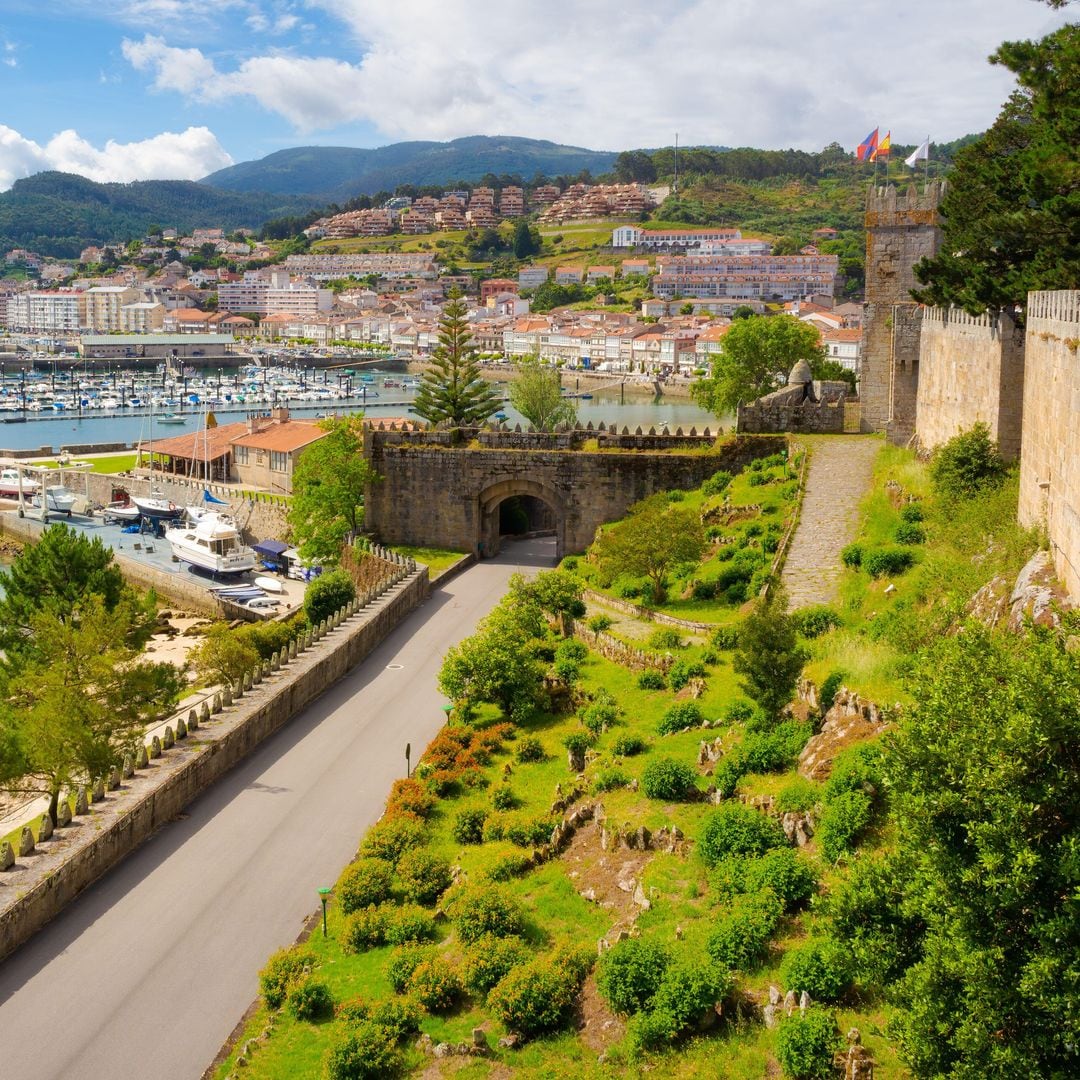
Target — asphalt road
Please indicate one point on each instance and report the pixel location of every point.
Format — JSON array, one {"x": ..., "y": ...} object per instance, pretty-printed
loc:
[{"x": 146, "y": 974}]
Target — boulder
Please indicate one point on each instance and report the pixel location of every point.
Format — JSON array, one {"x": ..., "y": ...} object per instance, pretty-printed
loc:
[
  {"x": 181, "y": 728},
  {"x": 851, "y": 719},
  {"x": 227, "y": 696},
  {"x": 143, "y": 758},
  {"x": 1037, "y": 598},
  {"x": 128, "y": 769},
  {"x": 26, "y": 841},
  {"x": 155, "y": 747},
  {"x": 193, "y": 720},
  {"x": 215, "y": 704},
  {"x": 204, "y": 714},
  {"x": 245, "y": 685},
  {"x": 45, "y": 828},
  {"x": 168, "y": 740},
  {"x": 81, "y": 804},
  {"x": 641, "y": 899},
  {"x": 63, "y": 813},
  {"x": 97, "y": 792},
  {"x": 771, "y": 1015},
  {"x": 7, "y": 856},
  {"x": 114, "y": 778}
]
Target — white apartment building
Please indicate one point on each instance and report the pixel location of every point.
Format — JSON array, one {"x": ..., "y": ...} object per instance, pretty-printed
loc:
[
  {"x": 104, "y": 307},
  {"x": 634, "y": 236},
  {"x": 142, "y": 317},
  {"x": 330, "y": 267},
  {"x": 529, "y": 277},
  {"x": 47, "y": 312},
  {"x": 267, "y": 294}
]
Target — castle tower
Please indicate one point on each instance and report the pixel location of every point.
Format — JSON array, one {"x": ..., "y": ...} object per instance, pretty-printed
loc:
[{"x": 900, "y": 230}]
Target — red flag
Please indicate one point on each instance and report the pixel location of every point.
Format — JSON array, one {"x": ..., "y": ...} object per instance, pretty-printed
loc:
[{"x": 867, "y": 147}]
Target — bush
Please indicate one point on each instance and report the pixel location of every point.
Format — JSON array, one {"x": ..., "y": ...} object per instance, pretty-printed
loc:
[
  {"x": 530, "y": 832},
  {"x": 539, "y": 996},
  {"x": 683, "y": 714},
  {"x": 792, "y": 879},
  {"x": 967, "y": 464},
  {"x": 820, "y": 967},
  {"x": 797, "y": 795},
  {"x": 728, "y": 772},
  {"x": 468, "y": 827},
  {"x": 651, "y": 679},
  {"x": 529, "y": 749},
  {"x": 502, "y": 798},
  {"x": 327, "y": 594},
  {"x": 629, "y": 974},
  {"x": 841, "y": 824},
  {"x": 408, "y": 924},
  {"x": 423, "y": 877},
  {"x": 689, "y": 990},
  {"x": 390, "y": 839},
  {"x": 609, "y": 778},
  {"x": 666, "y": 778},
  {"x": 855, "y": 769},
  {"x": 571, "y": 649},
  {"x": 409, "y": 797},
  {"x": 403, "y": 962},
  {"x": 852, "y": 556},
  {"x": 909, "y": 533},
  {"x": 725, "y": 637},
  {"x": 284, "y": 968},
  {"x": 629, "y": 745},
  {"x": 776, "y": 750},
  {"x": 435, "y": 985},
  {"x": 600, "y": 715},
  {"x": 888, "y": 561},
  {"x": 398, "y": 1019},
  {"x": 682, "y": 671},
  {"x": 366, "y": 1051},
  {"x": 830, "y": 687},
  {"x": 738, "y": 830},
  {"x": 599, "y": 623},
  {"x": 717, "y": 484},
  {"x": 567, "y": 670},
  {"x": 310, "y": 1000},
  {"x": 814, "y": 621},
  {"x": 490, "y": 959},
  {"x": 627, "y": 588},
  {"x": 739, "y": 711},
  {"x": 483, "y": 910},
  {"x": 365, "y": 929},
  {"x": 365, "y": 882},
  {"x": 509, "y": 867},
  {"x": 570, "y": 564},
  {"x": 704, "y": 590},
  {"x": 912, "y": 513},
  {"x": 805, "y": 1045},
  {"x": 740, "y": 938},
  {"x": 665, "y": 637}
]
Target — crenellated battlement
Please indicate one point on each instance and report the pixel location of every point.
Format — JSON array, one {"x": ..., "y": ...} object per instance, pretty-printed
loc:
[{"x": 886, "y": 198}]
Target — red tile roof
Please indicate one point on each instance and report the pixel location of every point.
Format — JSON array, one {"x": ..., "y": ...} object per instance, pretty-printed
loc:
[{"x": 283, "y": 436}]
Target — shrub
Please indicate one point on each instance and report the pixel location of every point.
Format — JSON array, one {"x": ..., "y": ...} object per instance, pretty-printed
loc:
[
  {"x": 855, "y": 769},
  {"x": 390, "y": 839},
  {"x": 571, "y": 649},
  {"x": 468, "y": 827},
  {"x": 740, "y": 938},
  {"x": 967, "y": 464},
  {"x": 529, "y": 749},
  {"x": 709, "y": 657},
  {"x": 757, "y": 479},
  {"x": 728, "y": 772},
  {"x": 539, "y": 996},
  {"x": 852, "y": 556},
  {"x": 651, "y": 679},
  {"x": 739, "y": 711},
  {"x": 814, "y": 621},
  {"x": 365, "y": 929},
  {"x": 912, "y": 513},
  {"x": 844, "y": 819},
  {"x": 403, "y": 962},
  {"x": 599, "y": 623},
  {"x": 909, "y": 533},
  {"x": 629, "y": 745},
  {"x": 398, "y": 1019},
  {"x": 805, "y": 1045},
  {"x": 821, "y": 968},
  {"x": 725, "y": 637},
  {"x": 792, "y": 879},
  {"x": 284, "y": 968},
  {"x": 600, "y": 715},
  {"x": 628, "y": 588},
  {"x": 689, "y": 989},
  {"x": 423, "y": 877},
  {"x": 502, "y": 798},
  {"x": 629, "y": 974},
  {"x": 888, "y": 561},
  {"x": 352, "y": 1011},
  {"x": 830, "y": 687},
  {"x": 797, "y": 795},
  {"x": 367, "y": 1051},
  {"x": 483, "y": 910},
  {"x": 435, "y": 985},
  {"x": 717, "y": 484},
  {"x": 409, "y": 797},
  {"x": 666, "y": 778},
  {"x": 567, "y": 670},
  {"x": 489, "y": 959},
  {"x": 738, "y": 830},
  {"x": 408, "y": 924},
  {"x": 682, "y": 671},
  {"x": 683, "y": 714},
  {"x": 365, "y": 882},
  {"x": 310, "y": 1000},
  {"x": 665, "y": 637},
  {"x": 529, "y": 832},
  {"x": 328, "y": 593},
  {"x": 509, "y": 867},
  {"x": 609, "y": 778},
  {"x": 776, "y": 750}
]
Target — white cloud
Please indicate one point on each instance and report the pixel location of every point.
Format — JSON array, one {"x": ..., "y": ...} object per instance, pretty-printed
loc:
[
  {"x": 185, "y": 155},
  {"x": 621, "y": 73}
]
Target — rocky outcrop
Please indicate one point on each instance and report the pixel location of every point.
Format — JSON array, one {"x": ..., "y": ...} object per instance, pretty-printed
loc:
[
  {"x": 1037, "y": 598},
  {"x": 850, "y": 719}
]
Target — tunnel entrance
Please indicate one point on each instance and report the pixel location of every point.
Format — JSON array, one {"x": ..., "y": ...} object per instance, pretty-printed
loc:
[{"x": 518, "y": 508}]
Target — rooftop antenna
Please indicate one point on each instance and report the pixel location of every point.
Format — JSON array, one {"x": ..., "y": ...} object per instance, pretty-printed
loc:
[{"x": 675, "y": 183}]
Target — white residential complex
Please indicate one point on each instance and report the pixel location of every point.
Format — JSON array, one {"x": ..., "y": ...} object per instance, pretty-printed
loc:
[
  {"x": 266, "y": 294},
  {"x": 391, "y": 267}
]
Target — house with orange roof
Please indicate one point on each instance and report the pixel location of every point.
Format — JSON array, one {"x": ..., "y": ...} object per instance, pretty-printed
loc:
[
  {"x": 845, "y": 346},
  {"x": 265, "y": 454}
]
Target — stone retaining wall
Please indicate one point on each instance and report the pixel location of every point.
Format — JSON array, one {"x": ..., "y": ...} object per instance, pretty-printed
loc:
[
  {"x": 641, "y": 612},
  {"x": 29, "y": 899}
]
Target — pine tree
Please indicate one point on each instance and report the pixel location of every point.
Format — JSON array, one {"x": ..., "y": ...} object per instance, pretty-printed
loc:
[{"x": 454, "y": 389}]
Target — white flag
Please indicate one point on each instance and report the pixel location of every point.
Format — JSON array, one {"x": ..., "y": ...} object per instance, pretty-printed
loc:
[{"x": 921, "y": 153}]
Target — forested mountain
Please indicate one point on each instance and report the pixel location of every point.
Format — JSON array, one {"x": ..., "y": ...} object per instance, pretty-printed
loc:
[
  {"x": 338, "y": 173},
  {"x": 58, "y": 214}
]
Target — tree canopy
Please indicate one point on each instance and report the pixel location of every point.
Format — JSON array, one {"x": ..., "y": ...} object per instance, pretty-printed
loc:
[
  {"x": 768, "y": 657},
  {"x": 537, "y": 395},
  {"x": 453, "y": 390},
  {"x": 755, "y": 354}
]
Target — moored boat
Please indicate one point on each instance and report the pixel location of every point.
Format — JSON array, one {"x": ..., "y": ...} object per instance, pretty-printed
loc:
[{"x": 212, "y": 543}]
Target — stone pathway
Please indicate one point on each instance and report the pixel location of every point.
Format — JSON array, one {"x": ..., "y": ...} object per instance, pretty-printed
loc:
[{"x": 839, "y": 476}]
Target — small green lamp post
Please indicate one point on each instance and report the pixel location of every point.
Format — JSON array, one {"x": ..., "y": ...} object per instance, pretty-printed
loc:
[
  {"x": 449, "y": 710},
  {"x": 324, "y": 895},
  {"x": 408, "y": 755}
]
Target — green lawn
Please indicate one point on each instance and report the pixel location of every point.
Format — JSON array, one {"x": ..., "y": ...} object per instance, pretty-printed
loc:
[
  {"x": 112, "y": 464},
  {"x": 437, "y": 560}
]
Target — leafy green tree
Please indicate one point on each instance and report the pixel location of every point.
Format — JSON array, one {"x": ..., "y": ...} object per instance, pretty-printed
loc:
[
  {"x": 223, "y": 656},
  {"x": 832, "y": 371},
  {"x": 556, "y": 592},
  {"x": 755, "y": 354},
  {"x": 327, "y": 507},
  {"x": 537, "y": 395},
  {"x": 655, "y": 536},
  {"x": 527, "y": 240},
  {"x": 768, "y": 656},
  {"x": 328, "y": 593},
  {"x": 983, "y": 778},
  {"x": 454, "y": 391},
  {"x": 81, "y": 700}
]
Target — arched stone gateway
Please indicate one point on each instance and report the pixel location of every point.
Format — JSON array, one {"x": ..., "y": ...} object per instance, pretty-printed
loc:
[{"x": 493, "y": 498}]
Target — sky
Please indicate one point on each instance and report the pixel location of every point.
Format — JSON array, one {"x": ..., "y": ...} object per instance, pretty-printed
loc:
[{"x": 174, "y": 89}]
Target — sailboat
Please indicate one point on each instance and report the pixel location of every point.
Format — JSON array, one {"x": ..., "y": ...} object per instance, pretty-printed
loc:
[{"x": 155, "y": 506}]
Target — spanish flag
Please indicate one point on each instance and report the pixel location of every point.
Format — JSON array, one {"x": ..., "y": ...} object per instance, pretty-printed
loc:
[
  {"x": 867, "y": 147},
  {"x": 882, "y": 149}
]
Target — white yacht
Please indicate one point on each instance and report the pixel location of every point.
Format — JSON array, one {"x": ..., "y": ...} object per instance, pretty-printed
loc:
[
  {"x": 58, "y": 498},
  {"x": 10, "y": 481},
  {"x": 212, "y": 543},
  {"x": 155, "y": 505}
]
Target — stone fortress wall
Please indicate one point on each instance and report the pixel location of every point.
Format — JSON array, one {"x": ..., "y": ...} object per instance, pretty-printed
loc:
[
  {"x": 1050, "y": 456},
  {"x": 971, "y": 370}
]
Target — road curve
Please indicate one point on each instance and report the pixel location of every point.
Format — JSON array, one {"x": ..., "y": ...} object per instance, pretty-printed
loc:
[{"x": 150, "y": 969}]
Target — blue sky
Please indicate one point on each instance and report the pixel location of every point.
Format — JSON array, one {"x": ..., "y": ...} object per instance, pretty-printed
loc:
[{"x": 136, "y": 89}]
